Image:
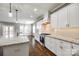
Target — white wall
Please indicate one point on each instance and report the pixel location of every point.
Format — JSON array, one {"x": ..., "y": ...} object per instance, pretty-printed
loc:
[{"x": 0, "y": 30}]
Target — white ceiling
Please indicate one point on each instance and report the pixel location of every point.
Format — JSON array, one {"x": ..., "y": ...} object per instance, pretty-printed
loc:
[{"x": 25, "y": 10}]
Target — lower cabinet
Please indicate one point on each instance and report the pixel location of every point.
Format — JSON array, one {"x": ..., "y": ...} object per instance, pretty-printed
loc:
[
  {"x": 66, "y": 48},
  {"x": 50, "y": 44},
  {"x": 75, "y": 50},
  {"x": 60, "y": 47},
  {"x": 63, "y": 48},
  {"x": 37, "y": 37}
]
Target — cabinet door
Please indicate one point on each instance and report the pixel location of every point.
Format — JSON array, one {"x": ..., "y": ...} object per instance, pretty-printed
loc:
[
  {"x": 62, "y": 17},
  {"x": 73, "y": 12},
  {"x": 48, "y": 42},
  {"x": 37, "y": 37},
  {"x": 75, "y": 50},
  {"x": 53, "y": 45},
  {"x": 54, "y": 20},
  {"x": 63, "y": 48},
  {"x": 58, "y": 47},
  {"x": 59, "y": 19},
  {"x": 66, "y": 48}
]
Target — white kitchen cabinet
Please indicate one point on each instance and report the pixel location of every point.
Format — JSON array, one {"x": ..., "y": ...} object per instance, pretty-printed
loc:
[
  {"x": 73, "y": 12},
  {"x": 66, "y": 48},
  {"x": 53, "y": 45},
  {"x": 63, "y": 48},
  {"x": 54, "y": 20},
  {"x": 75, "y": 50},
  {"x": 59, "y": 19},
  {"x": 67, "y": 16},
  {"x": 62, "y": 17},
  {"x": 50, "y": 44},
  {"x": 59, "y": 47}
]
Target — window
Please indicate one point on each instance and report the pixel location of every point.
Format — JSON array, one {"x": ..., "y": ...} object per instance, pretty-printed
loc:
[
  {"x": 21, "y": 29},
  {"x": 8, "y": 31},
  {"x": 5, "y": 31},
  {"x": 25, "y": 29},
  {"x": 11, "y": 31},
  {"x": 33, "y": 28}
]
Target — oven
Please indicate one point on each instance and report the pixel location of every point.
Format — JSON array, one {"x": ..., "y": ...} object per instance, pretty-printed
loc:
[{"x": 42, "y": 38}]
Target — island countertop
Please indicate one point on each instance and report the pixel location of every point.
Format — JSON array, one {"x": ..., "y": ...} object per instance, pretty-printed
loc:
[{"x": 14, "y": 40}]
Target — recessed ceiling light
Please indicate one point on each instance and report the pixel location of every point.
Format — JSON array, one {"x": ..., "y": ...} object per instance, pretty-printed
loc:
[
  {"x": 35, "y": 9},
  {"x": 31, "y": 16}
]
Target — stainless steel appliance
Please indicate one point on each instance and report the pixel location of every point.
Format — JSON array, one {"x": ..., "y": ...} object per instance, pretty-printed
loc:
[{"x": 42, "y": 38}]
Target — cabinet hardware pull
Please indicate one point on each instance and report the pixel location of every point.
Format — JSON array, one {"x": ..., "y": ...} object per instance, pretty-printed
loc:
[
  {"x": 61, "y": 47},
  {"x": 72, "y": 47}
]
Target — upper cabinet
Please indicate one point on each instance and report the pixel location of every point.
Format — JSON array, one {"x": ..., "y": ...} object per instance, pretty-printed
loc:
[
  {"x": 38, "y": 27},
  {"x": 67, "y": 16},
  {"x": 73, "y": 12},
  {"x": 54, "y": 20},
  {"x": 59, "y": 18},
  {"x": 62, "y": 18}
]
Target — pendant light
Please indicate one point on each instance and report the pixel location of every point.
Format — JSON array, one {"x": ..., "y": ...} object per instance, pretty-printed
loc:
[
  {"x": 16, "y": 16},
  {"x": 10, "y": 12}
]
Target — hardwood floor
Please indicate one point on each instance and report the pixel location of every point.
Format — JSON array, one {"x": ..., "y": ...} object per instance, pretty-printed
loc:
[{"x": 39, "y": 50}]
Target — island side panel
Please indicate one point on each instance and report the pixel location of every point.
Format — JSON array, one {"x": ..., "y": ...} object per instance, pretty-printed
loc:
[
  {"x": 16, "y": 50},
  {"x": 1, "y": 51}
]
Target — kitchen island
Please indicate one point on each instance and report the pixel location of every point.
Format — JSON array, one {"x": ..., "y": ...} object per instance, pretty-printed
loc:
[{"x": 17, "y": 46}]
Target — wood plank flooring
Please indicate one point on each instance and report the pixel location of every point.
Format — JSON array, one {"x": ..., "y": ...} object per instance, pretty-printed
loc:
[{"x": 39, "y": 50}]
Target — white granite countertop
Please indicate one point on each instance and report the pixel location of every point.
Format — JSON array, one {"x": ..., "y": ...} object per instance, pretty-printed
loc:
[
  {"x": 11, "y": 41},
  {"x": 66, "y": 36}
]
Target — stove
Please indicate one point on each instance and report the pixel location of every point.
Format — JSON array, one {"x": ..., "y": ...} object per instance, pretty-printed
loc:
[{"x": 42, "y": 38}]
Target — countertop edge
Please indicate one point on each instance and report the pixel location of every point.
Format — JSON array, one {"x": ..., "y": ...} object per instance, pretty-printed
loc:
[
  {"x": 72, "y": 40},
  {"x": 13, "y": 44}
]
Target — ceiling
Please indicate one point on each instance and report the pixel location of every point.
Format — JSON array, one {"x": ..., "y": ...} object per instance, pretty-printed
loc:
[{"x": 25, "y": 11}]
